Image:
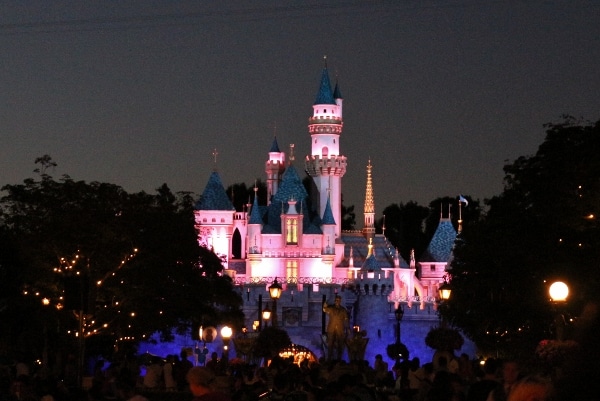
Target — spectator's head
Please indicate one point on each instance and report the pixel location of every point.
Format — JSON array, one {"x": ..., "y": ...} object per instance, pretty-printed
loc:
[{"x": 200, "y": 380}]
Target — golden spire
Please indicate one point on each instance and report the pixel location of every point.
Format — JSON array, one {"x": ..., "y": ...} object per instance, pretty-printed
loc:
[
  {"x": 369, "y": 226},
  {"x": 369, "y": 202}
]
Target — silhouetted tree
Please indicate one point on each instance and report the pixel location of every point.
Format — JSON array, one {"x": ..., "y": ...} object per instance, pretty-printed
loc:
[
  {"x": 543, "y": 226},
  {"x": 130, "y": 262}
]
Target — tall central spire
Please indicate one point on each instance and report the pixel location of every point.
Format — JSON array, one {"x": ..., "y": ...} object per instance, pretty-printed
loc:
[
  {"x": 369, "y": 226},
  {"x": 325, "y": 164}
]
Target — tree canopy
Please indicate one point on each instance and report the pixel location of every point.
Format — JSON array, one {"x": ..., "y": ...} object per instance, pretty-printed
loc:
[
  {"x": 543, "y": 227},
  {"x": 129, "y": 261}
]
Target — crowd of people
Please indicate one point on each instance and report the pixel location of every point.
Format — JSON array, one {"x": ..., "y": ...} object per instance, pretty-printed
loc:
[{"x": 446, "y": 378}]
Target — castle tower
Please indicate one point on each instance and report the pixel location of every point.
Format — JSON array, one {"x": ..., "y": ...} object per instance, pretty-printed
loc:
[
  {"x": 325, "y": 164},
  {"x": 274, "y": 168},
  {"x": 369, "y": 223}
]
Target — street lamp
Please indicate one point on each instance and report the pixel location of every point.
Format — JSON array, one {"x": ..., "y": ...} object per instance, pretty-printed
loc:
[
  {"x": 445, "y": 290},
  {"x": 226, "y": 332},
  {"x": 559, "y": 292},
  {"x": 399, "y": 314},
  {"x": 266, "y": 315},
  {"x": 275, "y": 290}
]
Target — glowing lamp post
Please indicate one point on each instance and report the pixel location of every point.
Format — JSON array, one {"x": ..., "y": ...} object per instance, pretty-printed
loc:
[
  {"x": 266, "y": 315},
  {"x": 399, "y": 314},
  {"x": 275, "y": 290},
  {"x": 444, "y": 292},
  {"x": 559, "y": 292},
  {"x": 226, "y": 333}
]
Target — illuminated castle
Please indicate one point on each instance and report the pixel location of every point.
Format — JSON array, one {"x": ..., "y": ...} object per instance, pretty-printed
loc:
[{"x": 297, "y": 238}]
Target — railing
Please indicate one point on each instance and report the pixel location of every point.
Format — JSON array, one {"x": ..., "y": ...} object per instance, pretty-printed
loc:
[{"x": 294, "y": 280}]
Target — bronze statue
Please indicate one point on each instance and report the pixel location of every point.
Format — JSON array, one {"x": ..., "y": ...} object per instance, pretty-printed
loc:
[{"x": 336, "y": 328}]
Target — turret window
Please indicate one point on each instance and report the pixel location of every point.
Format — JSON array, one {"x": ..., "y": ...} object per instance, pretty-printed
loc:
[{"x": 291, "y": 231}]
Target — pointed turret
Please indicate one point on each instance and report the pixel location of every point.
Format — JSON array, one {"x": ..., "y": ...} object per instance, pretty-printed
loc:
[
  {"x": 325, "y": 95},
  {"x": 274, "y": 168},
  {"x": 214, "y": 196},
  {"x": 328, "y": 214},
  {"x": 329, "y": 225},
  {"x": 255, "y": 226}
]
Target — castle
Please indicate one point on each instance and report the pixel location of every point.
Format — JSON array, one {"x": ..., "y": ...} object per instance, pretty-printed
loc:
[{"x": 296, "y": 239}]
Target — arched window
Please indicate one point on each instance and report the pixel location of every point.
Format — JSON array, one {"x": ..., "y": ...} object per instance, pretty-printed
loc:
[
  {"x": 236, "y": 244},
  {"x": 325, "y": 151}
]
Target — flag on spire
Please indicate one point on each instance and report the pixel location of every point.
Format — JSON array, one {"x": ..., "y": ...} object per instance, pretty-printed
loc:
[{"x": 462, "y": 199}]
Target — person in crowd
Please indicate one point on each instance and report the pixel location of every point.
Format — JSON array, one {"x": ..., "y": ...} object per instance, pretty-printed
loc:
[
  {"x": 153, "y": 377},
  {"x": 510, "y": 375},
  {"x": 181, "y": 367},
  {"x": 480, "y": 390},
  {"x": 380, "y": 368},
  {"x": 170, "y": 383},
  {"x": 531, "y": 388},
  {"x": 201, "y": 382}
]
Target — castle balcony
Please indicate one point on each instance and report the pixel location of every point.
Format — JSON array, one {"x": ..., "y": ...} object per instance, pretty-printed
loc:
[
  {"x": 331, "y": 165},
  {"x": 325, "y": 120},
  {"x": 240, "y": 216},
  {"x": 293, "y": 253},
  {"x": 323, "y": 281}
]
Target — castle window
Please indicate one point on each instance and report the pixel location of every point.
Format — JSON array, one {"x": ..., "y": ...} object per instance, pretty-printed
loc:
[
  {"x": 432, "y": 268},
  {"x": 291, "y": 270},
  {"x": 222, "y": 220},
  {"x": 204, "y": 220},
  {"x": 291, "y": 231},
  {"x": 214, "y": 220}
]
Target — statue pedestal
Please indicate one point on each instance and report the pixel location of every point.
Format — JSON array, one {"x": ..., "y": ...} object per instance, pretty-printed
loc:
[{"x": 356, "y": 345}]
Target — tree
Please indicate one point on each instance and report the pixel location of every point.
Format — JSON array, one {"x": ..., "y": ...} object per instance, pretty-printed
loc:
[
  {"x": 241, "y": 194},
  {"x": 404, "y": 227},
  {"x": 348, "y": 217},
  {"x": 543, "y": 226},
  {"x": 129, "y": 264}
]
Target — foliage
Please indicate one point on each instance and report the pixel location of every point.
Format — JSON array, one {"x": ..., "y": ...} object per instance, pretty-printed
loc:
[
  {"x": 542, "y": 227},
  {"x": 555, "y": 352},
  {"x": 411, "y": 226},
  {"x": 130, "y": 262},
  {"x": 397, "y": 351},
  {"x": 270, "y": 341},
  {"x": 404, "y": 227},
  {"x": 348, "y": 217},
  {"x": 241, "y": 194},
  {"x": 444, "y": 339}
]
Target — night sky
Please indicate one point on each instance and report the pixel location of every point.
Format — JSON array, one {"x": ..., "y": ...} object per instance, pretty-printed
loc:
[{"x": 439, "y": 94}]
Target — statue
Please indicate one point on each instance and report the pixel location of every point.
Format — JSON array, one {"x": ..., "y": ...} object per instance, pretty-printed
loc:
[{"x": 336, "y": 328}]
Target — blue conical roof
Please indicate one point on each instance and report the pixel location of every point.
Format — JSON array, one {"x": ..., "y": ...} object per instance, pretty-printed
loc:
[
  {"x": 274, "y": 146},
  {"x": 440, "y": 247},
  {"x": 328, "y": 214},
  {"x": 214, "y": 196},
  {"x": 325, "y": 96},
  {"x": 337, "y": 93},
  {"x": 255, "y": 215},
  {"x": 291, "y": 187},
  {"x": 370, "y": 264}
]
